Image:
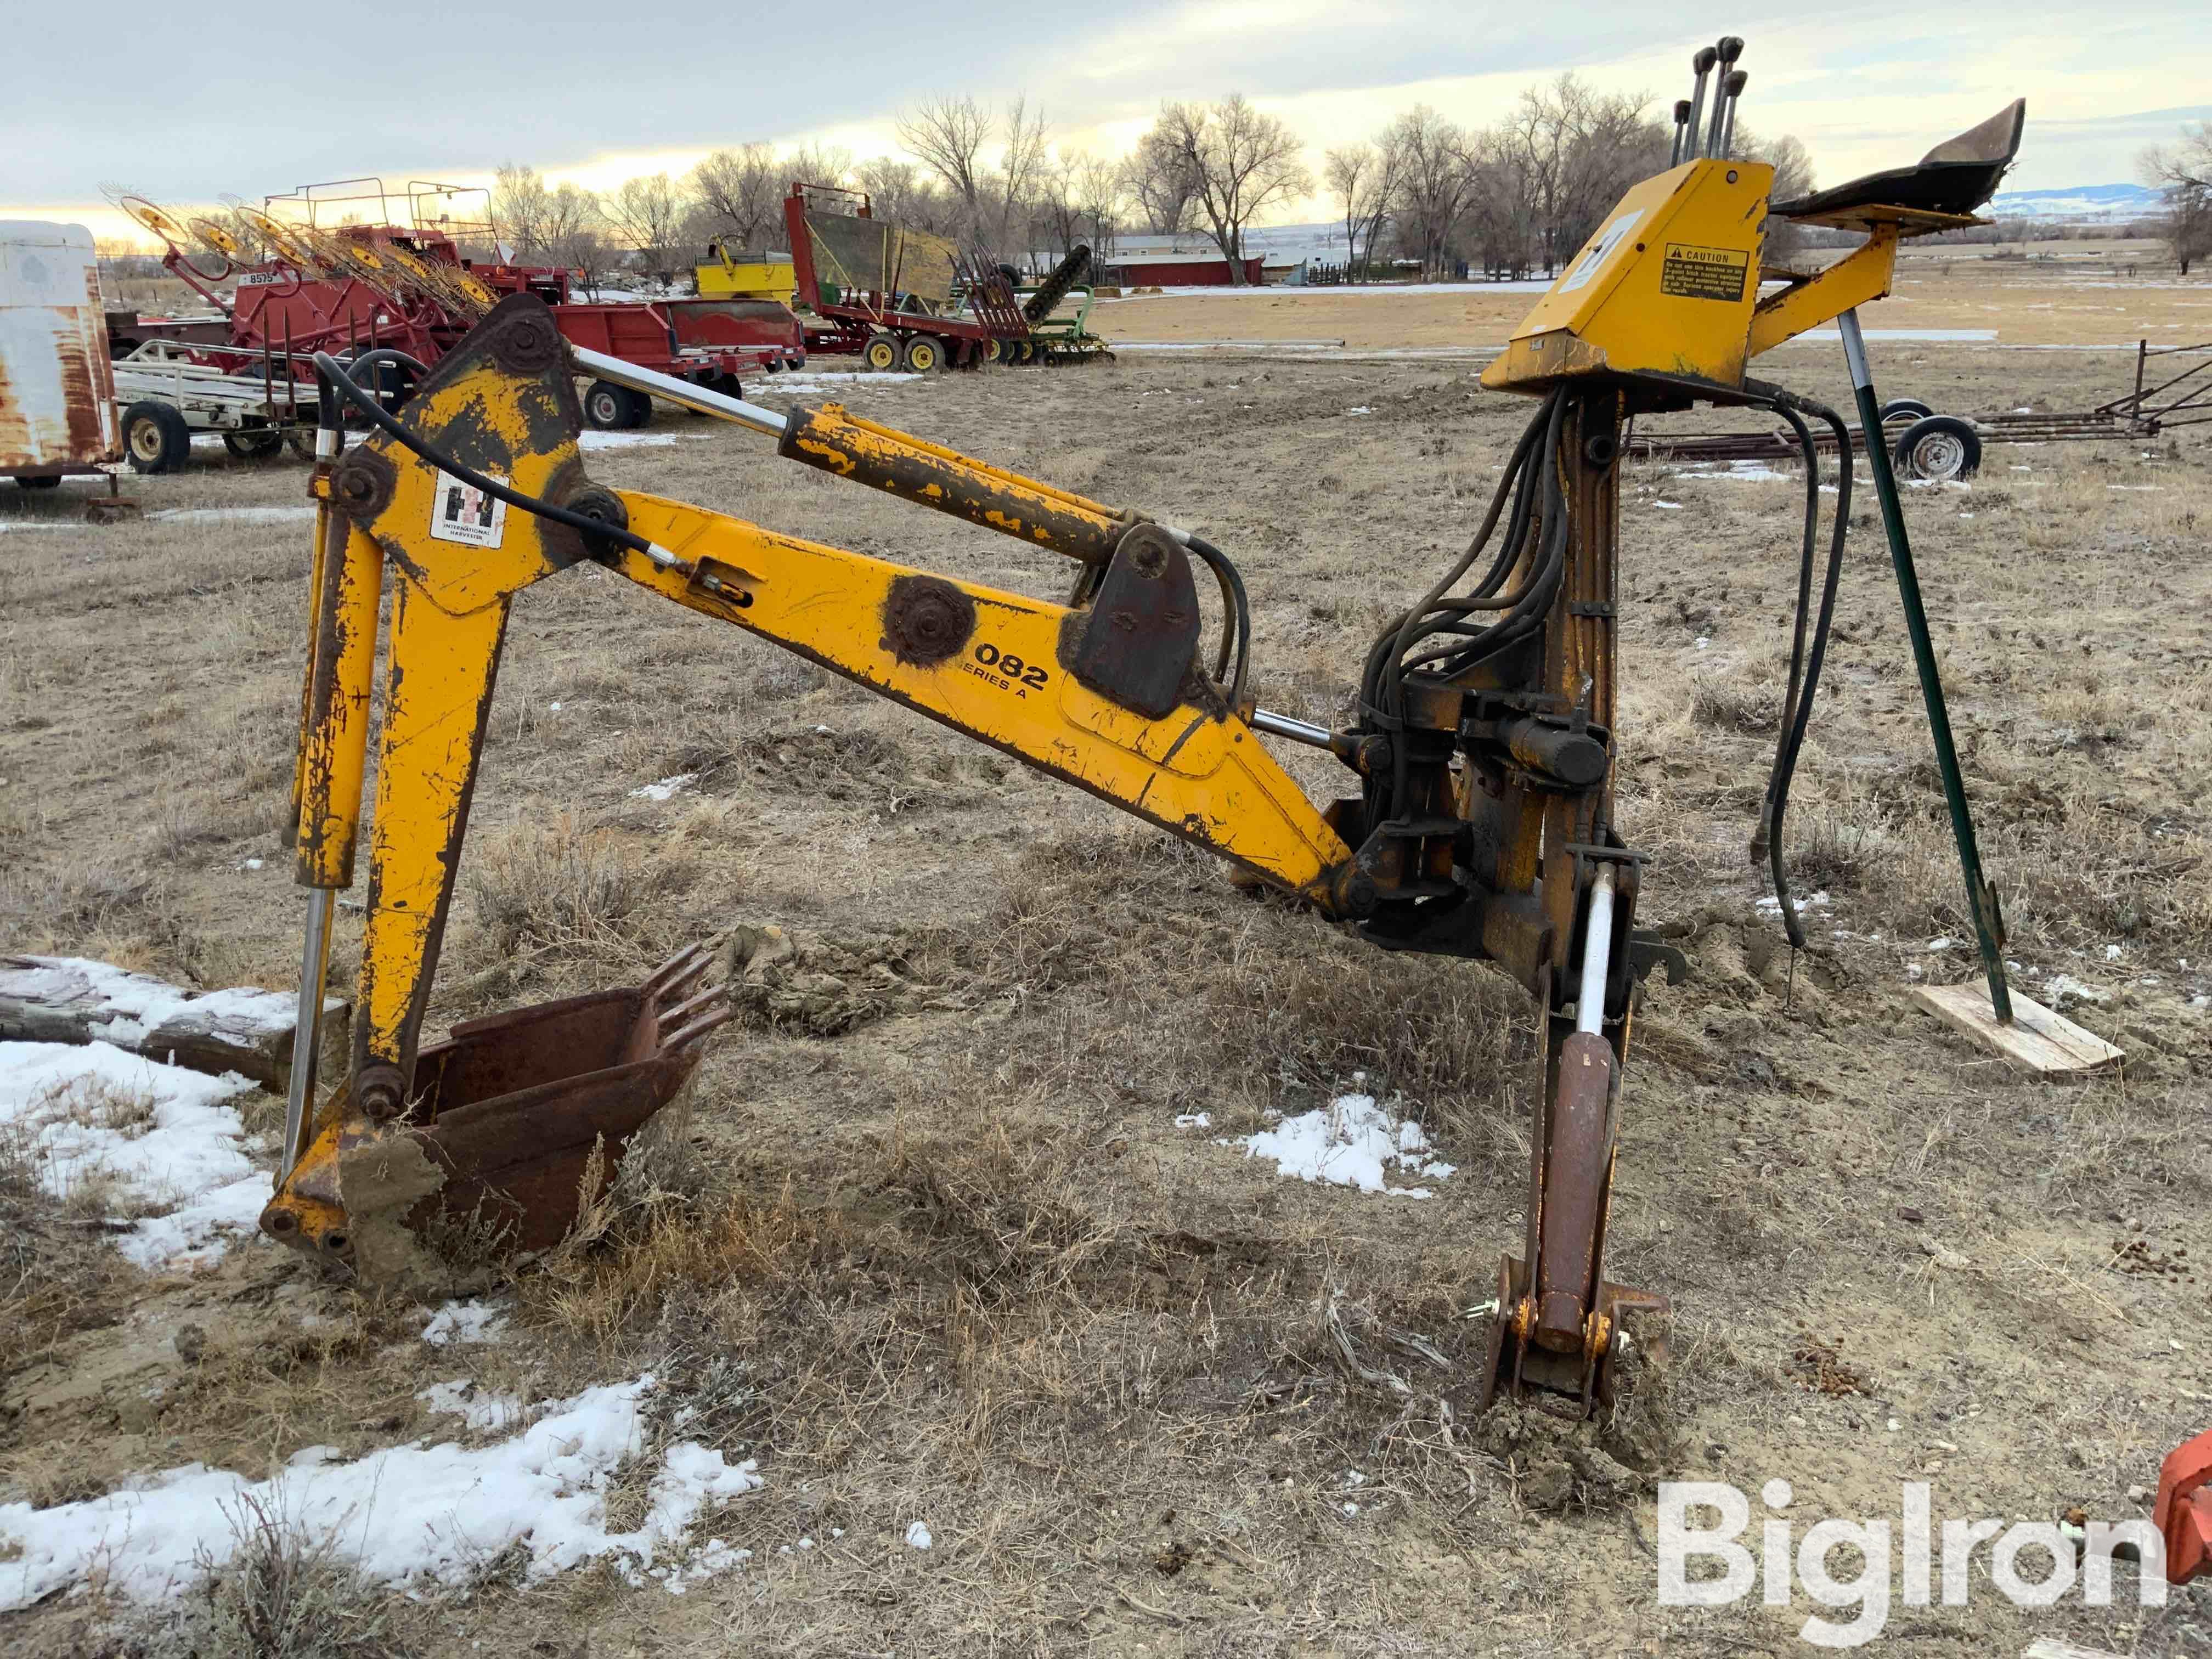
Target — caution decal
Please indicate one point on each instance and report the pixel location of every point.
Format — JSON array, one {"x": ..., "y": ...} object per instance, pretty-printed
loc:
[{"x": 1704, "y": 273}]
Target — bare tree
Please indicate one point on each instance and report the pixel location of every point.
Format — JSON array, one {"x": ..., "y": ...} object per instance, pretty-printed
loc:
[
  {"x": 2184, "y": 173},
  {"x": 738, "y": 191},
  {"x": 1578, "y": 150},
  {"x": 519, "y": 202},
  {"x": 947, "y": 135},
  {"x": 576, "y": 237},
  {"x": 898, "y": 191},
  {"x": 1242, "y": 161},
  {"x": 1160, "y": 178},
  {"x": 819, "y": 164},
  {"x": 648, "y": 214},
  {"x": 1430, "y": 157},
  {"x": 1793, "y": 178},
  {"x": 1365, "y": 180},
  {"x": 1022, "y": 167},
  {"x": 1098, "y": 200}
]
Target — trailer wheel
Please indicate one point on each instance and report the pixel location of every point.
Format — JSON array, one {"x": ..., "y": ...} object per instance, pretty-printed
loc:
[
  {"x": 606, "y": 406},
  {"x": 254, "y": 444},
  {"x": 1941, "y": 448},
  {"x": 156, "y": 437},
  {"x": 300, "y": 440},
  {"x": 1903, "y": 412},
  {"x": 640, "y": 409},
  {"x": 881, "y": 353},
  {"x": 993, "y": 351},
  {"x": 922, "y": 355}
]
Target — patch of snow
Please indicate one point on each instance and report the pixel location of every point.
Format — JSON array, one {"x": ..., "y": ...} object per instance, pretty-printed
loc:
[
  {"x": 1746, "y": 472},
  {"x": 471, "y": 1321},
  {"x": 917, "y": 1536},
  {"x": 1950, "y": 336},
  {"x": 1194, "y": 1120},
  {"x": 181, "y": 1150},
  {"x": 8, "y": 524},
  {"x": 667, "y": 789},
  {"x": 596, "y": 440},
  {"x": 197, "y": 1233},
  {"x": 136, "y": 1004},
  {"x": 232, "y": 514},
  {"x": 415, "y": 1511},
  {"x": 2112, "y": 953},
  {"x": 1702, "y": 641},
  {"x": 1362, "y": 409},
  {"x": 477, "y": 1407},
  {"x": 1772, "y": 906},
  {"x": 1351, "y": 1142},
  {"x": 1667, "y": 506}
]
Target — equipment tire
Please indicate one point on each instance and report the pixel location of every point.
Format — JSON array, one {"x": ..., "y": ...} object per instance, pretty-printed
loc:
[
  {"x": 300, "y": 440},
  {"x": 922, "y": 354},
  {"x": 52, "y": 481},
  {"x": 156, "y": 437},
  {"x": 992, "y": 351},
  {"x": 606, "y": 406},
  {"x": 1941, "y": 448},
  {"x": 1903, "y": 412},
  {"x": 255, "y": 443},
  {"x": 640, "y": 406},
  {"x": 880, "y": 356}
]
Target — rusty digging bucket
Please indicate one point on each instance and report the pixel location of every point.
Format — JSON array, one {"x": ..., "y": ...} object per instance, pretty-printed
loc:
[{"x": 517, "y": 1122}]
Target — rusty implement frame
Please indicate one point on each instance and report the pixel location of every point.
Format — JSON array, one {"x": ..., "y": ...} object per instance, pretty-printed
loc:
[{"x": 2184, "y": 398}]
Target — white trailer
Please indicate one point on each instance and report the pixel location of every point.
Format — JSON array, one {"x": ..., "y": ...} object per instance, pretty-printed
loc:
[{"x": 56, "y": 395}]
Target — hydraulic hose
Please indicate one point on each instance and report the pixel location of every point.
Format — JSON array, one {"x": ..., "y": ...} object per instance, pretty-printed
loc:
[
  {"x": 334, "y": 373},
  {"x": 1809, "y": 647}
]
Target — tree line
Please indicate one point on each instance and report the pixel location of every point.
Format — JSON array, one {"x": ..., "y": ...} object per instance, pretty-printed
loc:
[
  {"x": 1508, "y": 199},
  {"x": 2182, "y": 173}
]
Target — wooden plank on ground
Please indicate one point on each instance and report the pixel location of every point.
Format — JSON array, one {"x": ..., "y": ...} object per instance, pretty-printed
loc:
[
  {"x": 2038, "y": 1040},
  {"x": 75, "y": 1000}
]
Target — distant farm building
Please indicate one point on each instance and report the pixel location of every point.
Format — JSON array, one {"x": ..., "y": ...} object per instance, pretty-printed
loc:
[{"x": 1196, "y": 268}]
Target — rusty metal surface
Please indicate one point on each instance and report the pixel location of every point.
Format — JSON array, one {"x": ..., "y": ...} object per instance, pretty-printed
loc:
[
  {"x": 926, "y": 620},
  {"x": 1142, "y": 636},
  {"x": 930, "y": 475},
  {"x": 57, "y": 390},
  {"x": 509, "y": 1117}
]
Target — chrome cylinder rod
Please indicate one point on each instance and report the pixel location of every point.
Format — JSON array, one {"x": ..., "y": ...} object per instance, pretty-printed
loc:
[
  {"x": 668, "y": 388},
  {"x": 1282, "y": 726},
  {"x": 1597, "y": 954},
  {"x": 308, "y": 1025}
]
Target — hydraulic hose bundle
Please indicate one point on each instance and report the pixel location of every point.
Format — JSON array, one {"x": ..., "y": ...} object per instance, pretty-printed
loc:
[{"x": 1440, "y": 636}]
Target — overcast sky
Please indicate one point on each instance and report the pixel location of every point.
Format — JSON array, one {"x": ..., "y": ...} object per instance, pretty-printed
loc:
[{"x": 184, "y": 105}]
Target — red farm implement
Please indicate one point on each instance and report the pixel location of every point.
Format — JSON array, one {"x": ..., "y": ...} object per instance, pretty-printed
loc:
[{"x": 320, "y": 271}]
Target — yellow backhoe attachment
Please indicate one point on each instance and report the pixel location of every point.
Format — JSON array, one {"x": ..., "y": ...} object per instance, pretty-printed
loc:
[
  {"x": 1484, "y": 821},
  {"x": 502, "y": 1125}
]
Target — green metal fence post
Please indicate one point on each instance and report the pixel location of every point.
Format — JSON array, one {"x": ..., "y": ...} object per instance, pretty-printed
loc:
[{"x": 1981, "y": 893}]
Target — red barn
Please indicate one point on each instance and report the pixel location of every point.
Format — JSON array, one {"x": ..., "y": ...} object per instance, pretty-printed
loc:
[{"x": 1177, "y": 271}]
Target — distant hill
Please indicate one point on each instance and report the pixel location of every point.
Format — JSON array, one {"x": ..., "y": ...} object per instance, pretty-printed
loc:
[{"x": 2083, "y": 203}]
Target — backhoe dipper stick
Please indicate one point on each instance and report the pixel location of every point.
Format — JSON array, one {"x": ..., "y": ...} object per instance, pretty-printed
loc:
[{"x": 1981, "y": 893}]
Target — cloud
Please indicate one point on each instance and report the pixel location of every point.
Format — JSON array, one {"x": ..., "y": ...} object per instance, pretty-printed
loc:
[{"x": 576, "y": 88}]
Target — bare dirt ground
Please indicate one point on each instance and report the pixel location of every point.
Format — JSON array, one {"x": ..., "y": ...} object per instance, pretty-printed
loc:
[{"x": 927, "y": 1243}]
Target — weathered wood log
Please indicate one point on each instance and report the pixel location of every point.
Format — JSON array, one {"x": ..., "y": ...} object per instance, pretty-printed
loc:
[{"x": 74, "y": 1000}]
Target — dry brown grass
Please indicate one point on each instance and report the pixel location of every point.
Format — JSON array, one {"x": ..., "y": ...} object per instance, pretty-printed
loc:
[{"x": 953, "y": 1262}]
